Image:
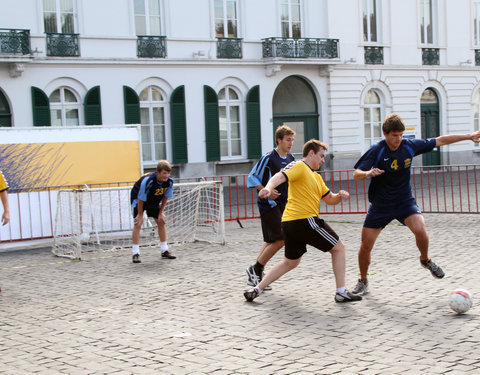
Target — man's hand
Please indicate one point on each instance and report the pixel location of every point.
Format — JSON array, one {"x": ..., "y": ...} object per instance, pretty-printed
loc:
[
  {"x": 375, "y": 172},
  {"x": 275, "y": 194},
  {"x": 5, "y": 218},
  {"x": 344, "y": 195},
  {"x": 138, "y": 220},
  {"x": 264, "y": 193},
  {"x": 161, "y": 218},
  {"x": 476, "y": 136}
]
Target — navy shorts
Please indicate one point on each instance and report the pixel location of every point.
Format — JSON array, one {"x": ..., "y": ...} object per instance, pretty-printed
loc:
[
  {"x": 380, "y": 216},
  {"x": 272, "y": 224},
  {"x": 151, "y": 211},
  {"x": 311, "y": 231}
]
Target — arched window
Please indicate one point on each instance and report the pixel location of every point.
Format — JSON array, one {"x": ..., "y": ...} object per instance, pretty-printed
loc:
[
  {"x": 372, "y": 112},
  {"x": 229, "y": 103},
  {"x": 152, "y": 120},
  {"x": 64, "y": 107},
  {"x": 476, "y": 115}
]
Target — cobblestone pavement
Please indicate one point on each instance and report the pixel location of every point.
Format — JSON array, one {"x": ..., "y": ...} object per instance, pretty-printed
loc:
[{"x": 105, "y": 315}]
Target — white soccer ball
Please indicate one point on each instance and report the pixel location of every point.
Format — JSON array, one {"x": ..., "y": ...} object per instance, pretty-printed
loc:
[
  {"x": 460, "y": 300},
  {"x": 84, "y": 237}
]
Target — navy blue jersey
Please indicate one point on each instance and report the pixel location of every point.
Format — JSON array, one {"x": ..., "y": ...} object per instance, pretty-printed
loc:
[
  {"x": 393, "y": 186},
  {"x": 263, "y": 170},
  {"x": 150, "y": 191}
]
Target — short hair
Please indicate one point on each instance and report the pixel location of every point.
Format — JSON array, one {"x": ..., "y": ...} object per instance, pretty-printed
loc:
[
  {"x": 393, "y": 123},
  {"x": 164, "y": 165},
  {"x": 315, "y": 145},
  {"x": 282, "y": 131}
]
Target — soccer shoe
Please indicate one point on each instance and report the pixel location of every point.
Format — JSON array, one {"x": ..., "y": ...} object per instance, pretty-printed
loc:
[
  {"x": 347, "y": 297},
  {"x": 136, "y": 258},
  {"x": 433, "y": 268},
  {"x": 167, "y": 255},
  {"x": 252, "y": 276},
  {"x": 361, "y": 288},
  {"x": 250, "y": 295}
]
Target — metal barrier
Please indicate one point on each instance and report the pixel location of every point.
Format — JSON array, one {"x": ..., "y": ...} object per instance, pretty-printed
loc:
[{"x": 438, "y": 189}]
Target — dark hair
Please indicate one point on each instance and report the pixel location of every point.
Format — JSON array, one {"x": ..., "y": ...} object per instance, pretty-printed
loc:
[
  {"x": 282, "y": 131},
  {"x": 164, "y": 165},
  {"x": 315, "y": 145},
  {"x": 393, "y": 123}
]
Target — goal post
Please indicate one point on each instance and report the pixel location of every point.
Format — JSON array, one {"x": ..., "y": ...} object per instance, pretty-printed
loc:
[{"x": 101, "y": 218}]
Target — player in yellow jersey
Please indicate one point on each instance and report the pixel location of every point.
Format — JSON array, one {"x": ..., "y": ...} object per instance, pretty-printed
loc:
[
  {"x": 300, "y": 222},
  {"x": 4, "y": 199}
]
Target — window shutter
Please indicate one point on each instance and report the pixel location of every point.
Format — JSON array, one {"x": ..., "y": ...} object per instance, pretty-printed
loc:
[
  {"x": 179, "y": 125},
  {"x": 92, "y": 106},
  {"x": 131, "y": 103},
  {"x": 212, "y": 127},
  {"x": 254, "y": 137},
  {"x": 40, "y": 107}
]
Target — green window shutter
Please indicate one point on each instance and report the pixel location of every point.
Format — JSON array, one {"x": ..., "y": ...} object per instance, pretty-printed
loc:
[
  {"x": 254, "y": 137},
  {"x": 131, "y": 103},
  {"x": 5, "y": 115},
  {"x": 179, "y": 126},
  {"x": 40, "y": 107},
  {"x": 93, "y": 107},
  {"x": 212, "y": 127}
]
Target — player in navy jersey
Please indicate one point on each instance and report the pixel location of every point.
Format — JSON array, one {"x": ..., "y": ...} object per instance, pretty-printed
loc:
[
  {"x": 271, "y": 209},
  {"x": 388, "y": 163},
  {"x": 150, "y": 193}
]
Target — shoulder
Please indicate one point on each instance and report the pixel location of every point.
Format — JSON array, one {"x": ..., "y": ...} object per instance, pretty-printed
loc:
[{"x": 290, "y": 165}]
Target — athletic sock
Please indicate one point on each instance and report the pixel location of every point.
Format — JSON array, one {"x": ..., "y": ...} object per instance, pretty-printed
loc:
[
  {"x": 163, "y": 246},
  {"x": 135, "y": 249},
  {"x": 258, "y": 290},
  {"x": 341, "y": 289},
  {"x": 258, "y": 268}
]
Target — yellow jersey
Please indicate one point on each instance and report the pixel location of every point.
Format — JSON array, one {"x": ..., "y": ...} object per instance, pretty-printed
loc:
[
  {"x": 3, "y": 183},
  {"x": 305, "y": 190}
]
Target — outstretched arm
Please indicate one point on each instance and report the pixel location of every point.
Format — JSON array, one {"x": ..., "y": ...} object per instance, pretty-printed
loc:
[
  {"x": 332, "y": 198},
  {"x": 360, "y": 175},
  {"x": 453, "y": 138},
  {"x": 277, "y": 179}
]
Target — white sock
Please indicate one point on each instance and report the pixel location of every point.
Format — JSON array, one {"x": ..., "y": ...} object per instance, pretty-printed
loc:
[
  {"x": 259, "y": 291},
  {"x": 341, "y": 289},
  {"x": 163, "y": 246},
  {"x": 135, "y": 249}
]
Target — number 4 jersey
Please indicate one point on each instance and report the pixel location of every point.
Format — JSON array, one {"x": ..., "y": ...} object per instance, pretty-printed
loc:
[{"x": 393, "y": 186}]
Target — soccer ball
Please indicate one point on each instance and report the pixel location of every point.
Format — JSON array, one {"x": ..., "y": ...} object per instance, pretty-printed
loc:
[
  {"x": 84, "y": 237},
  {"x": 460, "y": 300}
]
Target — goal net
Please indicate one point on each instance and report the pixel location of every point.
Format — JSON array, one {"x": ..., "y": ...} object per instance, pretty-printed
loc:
[{"x": 101, "y": 219}]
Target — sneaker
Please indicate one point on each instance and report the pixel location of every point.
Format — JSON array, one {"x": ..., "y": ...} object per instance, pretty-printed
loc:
[
  {"x": 250, "y": 295},
  {"x": 136, "y": 258},
  {"x": 361, "y": 288},
  {"x": 167, "y": 255},
  {"x": 254, "y": 279},
  {"x": 433, "y": 268},
  {"x": 347, "y": 297}
]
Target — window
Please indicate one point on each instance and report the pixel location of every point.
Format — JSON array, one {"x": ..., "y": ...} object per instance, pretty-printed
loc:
[
  {"x": 64, "y": 107},
  {"x": 476, "y": 115},
  {"x": 229, "y": 121},
  {"x": 152, "y": 120},
  {"x": 59, "y": 16},
  {"x": 370, "y": 21},
  {"x": 371, "y": 118},
  {"x": 226, "y": 18},
  {"x": 426, "y": 22},
  {"x": 147, "y": 17},
  {"x": 476, "y": 22},
  {"x": 290, "y": 20}
]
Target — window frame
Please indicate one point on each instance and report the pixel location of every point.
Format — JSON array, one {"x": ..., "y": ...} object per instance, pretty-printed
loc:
[
  {"x": 476, "y": 23},
  {"x": 288, "y": 3},
  {"x": 58, "y": 14},
  {"x": 423, "y": 28},
  {"x": 227, "y": 103},
  {"x": 147, "y": 17},
  {"x": 65, "y": 106},
  {"x": 371, "y": 107},
  {"x": 366, "y": 10},
  {"x": 226, "y": 19}
]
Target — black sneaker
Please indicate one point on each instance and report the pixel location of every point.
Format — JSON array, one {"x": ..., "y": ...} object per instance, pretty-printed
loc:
[
  {"x": 347, "y": 297},
  {"x": 250, "y": 295},
  {"x": 433, "y": 268},
  {"x": 167, "y": 255},
  {"x": 136, "y": 258},
  {"x": 253, "y": 278}
]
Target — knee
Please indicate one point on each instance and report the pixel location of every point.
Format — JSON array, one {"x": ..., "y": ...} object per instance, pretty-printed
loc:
[{"x": 290, "y": 264}]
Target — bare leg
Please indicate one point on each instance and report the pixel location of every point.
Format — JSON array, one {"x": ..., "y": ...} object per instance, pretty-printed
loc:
[
  {"x": 268, "y": 251},
  {"x": 136, "y": 234},
  {"x": 338, "y": 263},
  {"x": 416, "y": 223},
  {"x": 278, "y": 270},
  {"x": 369, "y": 236},
  {"x": 162, "y": 230}
]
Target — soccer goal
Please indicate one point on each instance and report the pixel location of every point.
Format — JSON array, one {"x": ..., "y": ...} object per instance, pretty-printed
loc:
[{"x": 101, "y": 218}]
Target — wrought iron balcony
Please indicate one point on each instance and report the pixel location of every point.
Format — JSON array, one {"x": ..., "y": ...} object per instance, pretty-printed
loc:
[
  {"x": 430, "y": 56},
  {"x": 14, "y": 41},
  {"x": 59, "y": 44},
  {"x": 229, "y": 48},
  {"x": 151, "y": 46},
  {"x": 477, "y": 57},
  {"x": 374, "y": 55},
  {"x": 300, "y": 48}
]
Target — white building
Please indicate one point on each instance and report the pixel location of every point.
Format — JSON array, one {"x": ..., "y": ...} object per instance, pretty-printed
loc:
[{"x": 210, "y": 80}]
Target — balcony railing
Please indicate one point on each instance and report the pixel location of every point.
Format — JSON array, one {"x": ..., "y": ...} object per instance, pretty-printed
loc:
[
  {"x": 300, "y": 48},
  {"x": 229, "y": 48},
  {"x": 477, "y": 57},
  {"x": 374, "y": 55},
  {"x": 14, "y": 41},
  {"x": 60, "y": 44},
  {"x": 430, "y": 56},
  {"x": 151, "y": 46}
]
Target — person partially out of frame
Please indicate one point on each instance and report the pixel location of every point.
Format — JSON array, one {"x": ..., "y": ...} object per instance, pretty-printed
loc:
[
  {"x": 300, "y": 222},
  {"x": 271, "y": 209},
  {"x": 388, "y": 164},
  {"x": 4, "y": 199},
  {"x": 150, "y": 194}
]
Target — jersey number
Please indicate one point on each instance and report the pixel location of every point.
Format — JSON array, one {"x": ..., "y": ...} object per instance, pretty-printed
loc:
[
  {"x": 394, "y": 164},
  {"x": 160, "y": 191}
]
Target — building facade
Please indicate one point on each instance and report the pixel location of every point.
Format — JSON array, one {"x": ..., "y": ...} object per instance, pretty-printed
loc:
[{"x": 210, "y": 80}]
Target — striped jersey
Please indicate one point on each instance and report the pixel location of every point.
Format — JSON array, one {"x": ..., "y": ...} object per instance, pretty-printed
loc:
[{"x": 149, "y": 190}]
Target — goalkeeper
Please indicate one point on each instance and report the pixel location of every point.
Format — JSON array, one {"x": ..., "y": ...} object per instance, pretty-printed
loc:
[{"x": 150, "y": 193}]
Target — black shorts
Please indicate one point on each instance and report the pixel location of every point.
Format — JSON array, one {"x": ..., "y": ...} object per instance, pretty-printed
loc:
[
  {"x": 272, "y": 224},
  {"x": 379, "y": 217},
  {"x": 151, "y": 211},
  {"x": 311, "y": 231}
]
